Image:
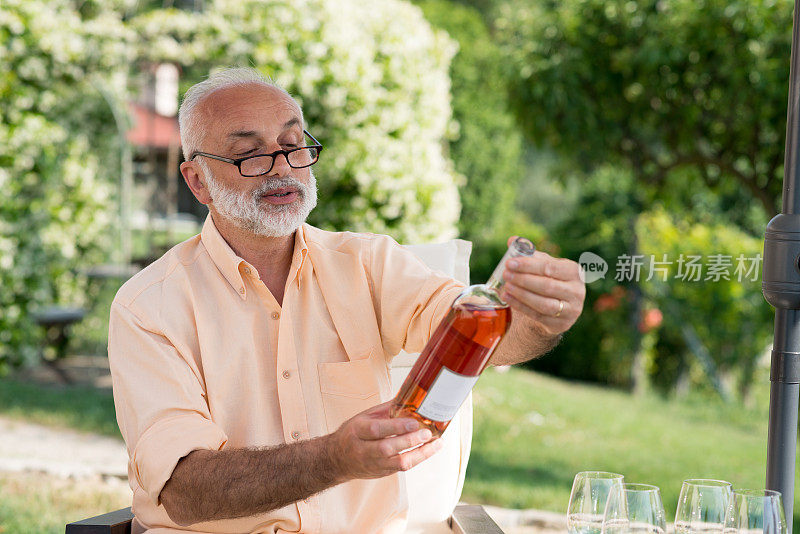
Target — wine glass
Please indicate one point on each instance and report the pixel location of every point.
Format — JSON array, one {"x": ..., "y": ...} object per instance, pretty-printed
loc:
[
  {"x": 755, "y": 511},
  {"x": 701, "y": 506},
  {"x": 587, "y": 502},
  {"x": 635, "y": 509}
]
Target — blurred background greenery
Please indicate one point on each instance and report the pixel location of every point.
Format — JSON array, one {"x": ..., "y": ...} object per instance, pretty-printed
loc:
[{"x": 643, "y": 129}]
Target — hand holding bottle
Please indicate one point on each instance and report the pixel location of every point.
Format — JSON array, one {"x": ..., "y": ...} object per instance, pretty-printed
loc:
[
  {"x": 547, "y": 290},
  {"x": 372, "y": 445}
]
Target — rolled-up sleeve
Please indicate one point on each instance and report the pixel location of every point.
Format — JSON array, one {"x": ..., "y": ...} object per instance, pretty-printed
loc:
[
  {"x": 410, "y": 298},
  {"x": 159, "y": 398}
]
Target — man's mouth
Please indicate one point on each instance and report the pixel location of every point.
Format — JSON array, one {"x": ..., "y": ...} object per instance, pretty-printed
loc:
[
  {"x": 280, "y": 192},
  {"x": 283, "y": 195}
]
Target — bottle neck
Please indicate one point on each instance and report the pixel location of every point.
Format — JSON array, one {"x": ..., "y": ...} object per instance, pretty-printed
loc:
[
  {"x": 519, "y": 247},
  {"x": 496, "y": 282}
]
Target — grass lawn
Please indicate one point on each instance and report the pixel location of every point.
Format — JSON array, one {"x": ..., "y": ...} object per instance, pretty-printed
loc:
[
  {"x": 532, "y": 434},
  {"x": 33, "y": 503},
  {"x": 78, "y": 407}
]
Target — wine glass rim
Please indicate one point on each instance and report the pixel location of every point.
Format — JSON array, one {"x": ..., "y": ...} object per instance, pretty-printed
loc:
[
  {"x": 757, "y": 492},
  {"x": 599, "y": 474},
  {"x": 708, "y": 482},
  {"x": 635, "y": 486}
]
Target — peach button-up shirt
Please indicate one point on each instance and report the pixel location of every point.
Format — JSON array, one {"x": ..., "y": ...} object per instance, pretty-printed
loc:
[{"x": 203, "y": 357}]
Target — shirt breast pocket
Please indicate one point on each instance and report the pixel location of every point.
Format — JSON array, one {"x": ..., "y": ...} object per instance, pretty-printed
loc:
[{"x": 347, "y": 388}]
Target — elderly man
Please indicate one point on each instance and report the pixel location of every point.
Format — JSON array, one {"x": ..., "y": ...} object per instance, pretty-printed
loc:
[{"x": 250, "y": 362}]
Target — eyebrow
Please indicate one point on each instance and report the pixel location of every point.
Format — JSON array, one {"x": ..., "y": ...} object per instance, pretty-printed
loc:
[
  {"x": 241, "y": 134},
  {"x": 291, "y": 122}
]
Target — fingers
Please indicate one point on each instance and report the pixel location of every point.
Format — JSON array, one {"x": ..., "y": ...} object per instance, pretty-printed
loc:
[
  {"x": 543, "y": 264},
  {"x": 551, "y": 324},
  {"x": 545, "y": 286},
  {"x": 533, "y": 303},
  {"x": 377, "y": 458},
  {"x": 409, "y": 459},
  {"x": 548, "y": 290},
  {"x": 373, "y": 428},
  {"x": 393, "y": 446}
]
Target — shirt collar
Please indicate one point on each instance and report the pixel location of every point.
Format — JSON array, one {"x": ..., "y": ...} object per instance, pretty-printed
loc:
[
  {"x": 299, "y": 255},
  {"x": 233, "y": 266}
]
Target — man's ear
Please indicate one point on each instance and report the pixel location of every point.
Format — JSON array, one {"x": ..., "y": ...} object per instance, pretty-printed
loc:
[{"x": 194, "y": 178}]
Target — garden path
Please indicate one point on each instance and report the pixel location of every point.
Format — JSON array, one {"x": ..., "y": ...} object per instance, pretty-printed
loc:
[{"x": 28, "y": 447}]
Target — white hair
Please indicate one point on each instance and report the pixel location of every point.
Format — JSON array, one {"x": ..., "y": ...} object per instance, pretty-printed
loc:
[{"x": 191, "y": 129}]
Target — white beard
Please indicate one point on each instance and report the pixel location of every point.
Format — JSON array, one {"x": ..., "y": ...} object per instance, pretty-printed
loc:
[{"x": 249, "y": 212}]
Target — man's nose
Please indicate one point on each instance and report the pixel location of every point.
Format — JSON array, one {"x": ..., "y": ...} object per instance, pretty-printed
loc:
[{"x": 280, "y": 166}]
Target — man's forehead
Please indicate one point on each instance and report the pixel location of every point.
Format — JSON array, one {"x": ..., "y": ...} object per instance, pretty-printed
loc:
[
  {"x": 242, "y": 111},
  {"x": 235, "y": 133}
]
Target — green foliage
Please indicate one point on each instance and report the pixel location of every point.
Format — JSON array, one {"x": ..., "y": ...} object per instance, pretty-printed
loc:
[
  {"x": 741, "y": 327},
  {"x": 54, "y": 131},
  {"x": 609, "y": 220},
  {"x": 486, "y": 254},
  {"x": 375, "y": 91},
  {"x": 600, "y": 345},
  {"x": 657, "y": 85},
  {"x": 374, "y": 88},
  {"x": 487, "y": 146}
]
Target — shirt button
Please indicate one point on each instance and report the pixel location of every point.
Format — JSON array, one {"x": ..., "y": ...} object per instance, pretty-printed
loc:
[
  {"x": 286, "y": 374},
  {"x": 275, "y": 315},
  {"x": 295, "y": 435},
  {"x": 247, "y": 270},
  {"x": 241, "y": 290}
]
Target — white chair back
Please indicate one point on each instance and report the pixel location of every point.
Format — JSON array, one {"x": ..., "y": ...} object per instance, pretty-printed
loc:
[{"x": 434, "y": 486}]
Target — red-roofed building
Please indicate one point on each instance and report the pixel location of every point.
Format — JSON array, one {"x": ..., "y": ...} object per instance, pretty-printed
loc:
[
  {"x": 151, "y": 130},
  {"x": 161, "y": 200}
]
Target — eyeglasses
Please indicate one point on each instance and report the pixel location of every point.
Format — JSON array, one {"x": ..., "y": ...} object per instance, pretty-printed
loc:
[{"x": 260, "y": 164}]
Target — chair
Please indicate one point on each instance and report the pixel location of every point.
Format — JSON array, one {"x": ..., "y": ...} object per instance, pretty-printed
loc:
[{"x": 466, "y": 519}]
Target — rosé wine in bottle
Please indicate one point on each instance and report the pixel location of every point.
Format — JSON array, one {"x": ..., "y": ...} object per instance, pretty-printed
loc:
[{"x": 458, "y": 351}]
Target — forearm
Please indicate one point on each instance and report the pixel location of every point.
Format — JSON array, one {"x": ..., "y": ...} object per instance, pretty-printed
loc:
[
  {"x": 208, "y": 485},
  {"x": 524, "y": 341}
]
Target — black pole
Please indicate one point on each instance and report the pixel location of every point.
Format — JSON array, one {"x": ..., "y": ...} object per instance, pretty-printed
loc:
[
  {"x": 783, "y": 397},
  {"x": 781, "y": 287}
]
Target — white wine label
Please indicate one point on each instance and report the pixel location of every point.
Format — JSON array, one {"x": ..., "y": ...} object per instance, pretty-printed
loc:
[{"x": 447, "y": 393}]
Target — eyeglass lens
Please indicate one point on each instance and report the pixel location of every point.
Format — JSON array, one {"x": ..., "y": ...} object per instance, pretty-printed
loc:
[{"x": 262, "y": 164}]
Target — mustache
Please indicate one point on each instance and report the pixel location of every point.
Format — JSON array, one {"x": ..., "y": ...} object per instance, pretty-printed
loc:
[{"x": 278, "y": 183}]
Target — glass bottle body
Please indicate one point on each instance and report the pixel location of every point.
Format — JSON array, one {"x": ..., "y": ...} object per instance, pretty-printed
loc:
[{"x": 458, "y": 351}]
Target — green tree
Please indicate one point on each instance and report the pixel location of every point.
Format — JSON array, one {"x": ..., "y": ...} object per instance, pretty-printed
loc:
[
  {"x": 709, "y": 291},
  {"x": 374, "y": 88},
  {"x": 602, "y": 344},
  {"x": 657, "y": 86},
  {"x": 56, "y": 158},
  {"x": 487, "y": 145}
]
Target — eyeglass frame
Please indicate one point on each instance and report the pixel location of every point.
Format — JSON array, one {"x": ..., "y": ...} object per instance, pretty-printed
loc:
[{"x": 238, "y": 161}]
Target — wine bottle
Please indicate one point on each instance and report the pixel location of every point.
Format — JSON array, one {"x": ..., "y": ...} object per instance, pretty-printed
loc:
[{"x": 458, "y": 351}]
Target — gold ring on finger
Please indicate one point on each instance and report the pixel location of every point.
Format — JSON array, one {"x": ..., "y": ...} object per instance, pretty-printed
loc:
[{"x": 560, "y": 308}]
